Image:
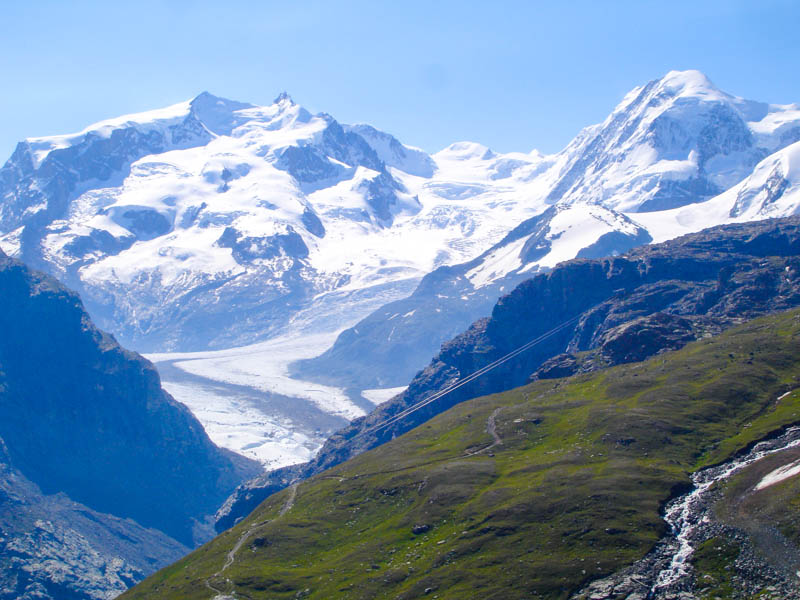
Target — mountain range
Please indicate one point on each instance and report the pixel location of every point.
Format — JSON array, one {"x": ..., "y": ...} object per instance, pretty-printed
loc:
[
  {"x": 211, "y": 223},
  {"x": 214, "y": 224},
  {"x": 233, "y": 239}
]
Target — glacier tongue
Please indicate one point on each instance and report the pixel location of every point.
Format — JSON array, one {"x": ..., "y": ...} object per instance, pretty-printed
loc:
[{"x": 247, "y": 402}]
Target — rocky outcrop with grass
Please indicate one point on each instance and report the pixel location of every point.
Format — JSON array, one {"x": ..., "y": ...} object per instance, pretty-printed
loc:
[{"x": 627, "y": 308}]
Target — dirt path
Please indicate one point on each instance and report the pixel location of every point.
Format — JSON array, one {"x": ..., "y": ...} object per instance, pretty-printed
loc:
[
  {"x": 231, "y": 558},
  {"x": 287, "y": 506},
  {"x": 491, "y": 428}
]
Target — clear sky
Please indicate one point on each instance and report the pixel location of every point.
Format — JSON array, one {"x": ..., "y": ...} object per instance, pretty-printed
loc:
[{"x": 511, "y": 75}]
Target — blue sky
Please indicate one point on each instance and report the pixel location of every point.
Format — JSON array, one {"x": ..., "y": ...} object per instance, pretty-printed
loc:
[{"x": 511, "y": 75}]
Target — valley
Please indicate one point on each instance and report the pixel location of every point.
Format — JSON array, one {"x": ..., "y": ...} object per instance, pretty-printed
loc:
[
  {"x": 317, "y": 298},
  {"x": 572, "y": 492}
]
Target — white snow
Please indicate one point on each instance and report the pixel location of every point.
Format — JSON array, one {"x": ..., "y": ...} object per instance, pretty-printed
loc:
[
  {"x": 248, "y": 403},
  {"x": 779, "y": 474},
  {"x": 653, "y": 136},
  {"x": 574, "y": 227},
  {"x": 380, "y": 395},
  {"x": 234, "y": 422},
  {"x": 453, "y": 205},
  {"x": 578, "y": 226},
  {"x": 497, "y": 264},
  {"x": 152, "y": 119},
  {"x": 751, "y": 194},
  {"x": 407, "y": 159},
  {"x": 264, "y": 367},
  {"x": 171, "y": 258}
]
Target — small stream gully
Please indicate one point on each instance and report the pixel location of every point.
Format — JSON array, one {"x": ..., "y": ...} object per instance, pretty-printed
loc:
[{"x": 666, "y": 572}]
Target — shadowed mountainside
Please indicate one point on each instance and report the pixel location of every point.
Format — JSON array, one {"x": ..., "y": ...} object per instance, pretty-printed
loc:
[{"x": 92, "y": 443}]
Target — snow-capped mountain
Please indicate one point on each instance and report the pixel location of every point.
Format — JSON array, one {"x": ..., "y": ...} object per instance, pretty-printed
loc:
[
  {"x": 677, "y": 155},
  {"x": 384, "y": 349},
  {"x": 674, "y": 141},
  {"x": 212, "y": 224}
]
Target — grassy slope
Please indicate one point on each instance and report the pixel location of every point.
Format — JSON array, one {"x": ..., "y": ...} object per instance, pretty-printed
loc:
[{"x": 573, "y": 492}]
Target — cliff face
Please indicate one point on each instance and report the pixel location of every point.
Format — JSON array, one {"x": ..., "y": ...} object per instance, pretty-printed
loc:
[
  {"x": 84, "y": 417},
  {"x": 626, "y": 308}
]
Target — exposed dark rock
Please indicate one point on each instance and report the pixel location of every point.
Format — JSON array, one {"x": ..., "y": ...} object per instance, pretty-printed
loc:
[
  {"x": 309, "y": 164},
  {"x": 247, "y": 248},
  {"x": 82, "y": 416},
  {"x": 381, "y": 197},
  {"x": 643, "y": 337},
  {"x": 312, "y": 223},
  {"x": 419, "y": 529},
  {"x": 562, "y": 365},
  {"x": 99, "y": 240},
  {"x": 304, "y": 163},
  {"x": 145, "y": 224},
  {"x": 54, "y": 548}
]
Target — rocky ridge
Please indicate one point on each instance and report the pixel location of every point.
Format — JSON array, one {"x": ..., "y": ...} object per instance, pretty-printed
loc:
[{"x": 53, "y": 547}]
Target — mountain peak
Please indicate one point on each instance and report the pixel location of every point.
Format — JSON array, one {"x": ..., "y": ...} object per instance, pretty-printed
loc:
[
  {"x": 688, "y": 77},
  {"x": 690, "y": 83},
  {"x": 204, "y": 96},
  {"x": 284, "y": 98},
  {"x": 204, "y": 100},
  {"x": 466, "y": 151},
  {"x": 216, "y": 113}
]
